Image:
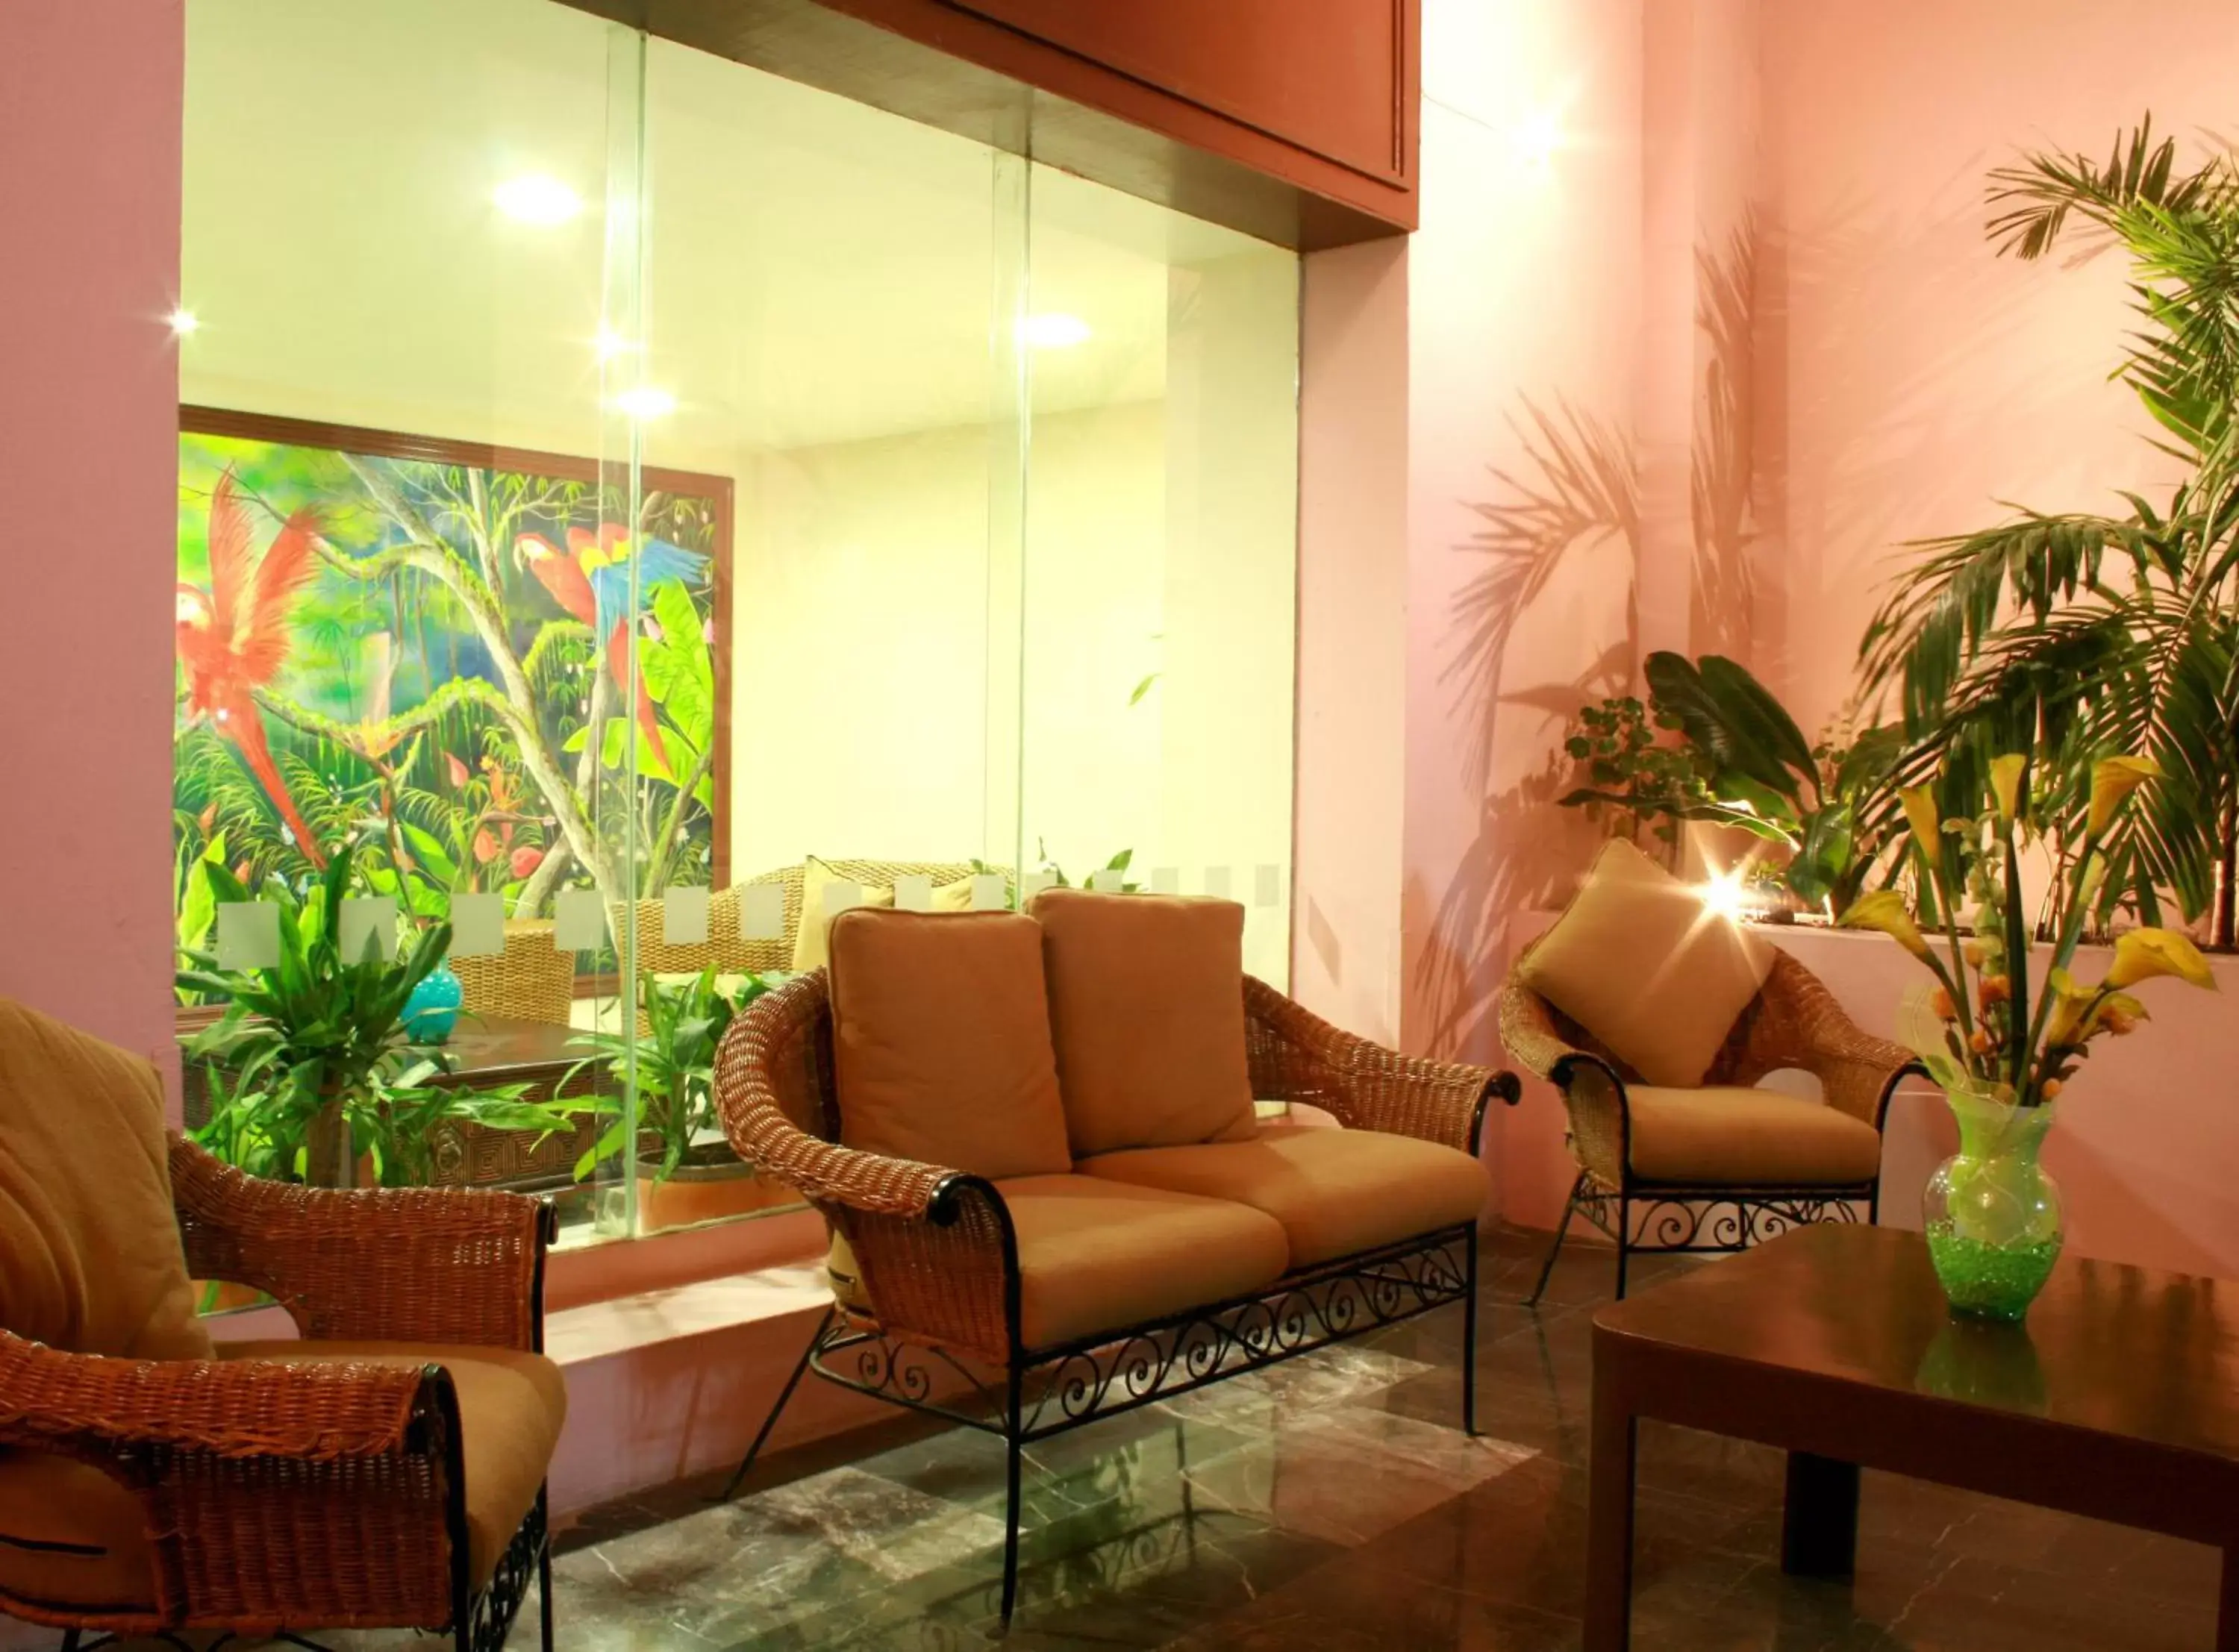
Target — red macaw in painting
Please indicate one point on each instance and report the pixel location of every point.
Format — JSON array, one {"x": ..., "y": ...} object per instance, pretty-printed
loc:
[
  {"x": 590, "y": 580},
  {"x": 233, "y": 638}
]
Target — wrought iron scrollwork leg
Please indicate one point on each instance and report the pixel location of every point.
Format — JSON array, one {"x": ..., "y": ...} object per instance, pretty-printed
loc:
[
  {"x": 1469, "y": 1340},
  {"x": 1547, "y": 1268},
  {"x": 784, "y": 1397},
  {"x": 544, "y": 1588},
  {"x": 1013, "y": 1449},
  {"x": 1623, "y": 1241}
]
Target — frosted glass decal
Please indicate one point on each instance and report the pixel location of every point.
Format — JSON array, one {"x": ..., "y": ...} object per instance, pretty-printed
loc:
[
  {"x": 840, "y": 895},
  {"x": 989, "y": 893},
  {"x": 914, "y": 893},
  {"x": 1108, "y": 879},
  {"x": 579, "y": 920},
  {"x": 368, "y": 917},
  {"x": 761, "y": 913},
  {"x": 684, "y": 918},
  {"x": 477, "y": 926},
  {"x": 1166, "y": 880},
  {"x": 248, "y": 935},
  {"x": 1267, "y": 886},
  {"x": 1217, "y": 882}
]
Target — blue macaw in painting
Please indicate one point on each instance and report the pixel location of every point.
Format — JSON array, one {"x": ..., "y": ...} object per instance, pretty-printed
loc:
[{"x": 591, "y": 580}]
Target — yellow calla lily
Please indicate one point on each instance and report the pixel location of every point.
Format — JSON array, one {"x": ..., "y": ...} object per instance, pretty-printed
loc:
[
  {"x": 2113, "y": 779},
  {"x": 2069, "y": 999},
  {"x": 2141, "y": 954},
  {"x": 1920, "y": 814},
  {"x": 1885, "y": 910},
  {"x": 2006, "y": 783}
]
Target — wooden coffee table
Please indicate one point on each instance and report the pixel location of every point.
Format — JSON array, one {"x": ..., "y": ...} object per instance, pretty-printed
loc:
[{"x": 2118, "y": 1400}]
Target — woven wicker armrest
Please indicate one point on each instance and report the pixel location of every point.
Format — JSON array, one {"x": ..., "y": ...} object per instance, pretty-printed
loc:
[
  {"x": 340, "y": 1468},
  {"x": 389, "y": 1265},
  {"x": 1593, "y": 1090},
  {"x": 1297, "y": 1055},
  {"x": 225, "y": 1407},
  {"x": 1857, "y": 1071}
]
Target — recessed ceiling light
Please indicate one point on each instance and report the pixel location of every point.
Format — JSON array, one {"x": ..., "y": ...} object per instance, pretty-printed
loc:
[
  {"x": 537, "y": 197},
  {"x": 183, "y": 321},
  {"x": 609, "y": 344},
  {"x": 1053, "y": 332},
  {"x": 646, "y": 401}
]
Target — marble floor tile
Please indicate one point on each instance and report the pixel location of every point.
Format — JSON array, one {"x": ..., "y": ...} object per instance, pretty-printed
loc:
[{"x": 1330, "y": 1504}]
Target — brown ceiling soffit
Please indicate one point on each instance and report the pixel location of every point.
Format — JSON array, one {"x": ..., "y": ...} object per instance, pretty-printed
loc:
[{"x": 941, "y": 76}]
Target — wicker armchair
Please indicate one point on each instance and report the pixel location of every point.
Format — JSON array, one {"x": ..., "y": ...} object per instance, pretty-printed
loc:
[
  {"x": 935, "y": 1255},
  {"x": 1793, "y": 1022},
  {"x": 285, "y": 1487}
]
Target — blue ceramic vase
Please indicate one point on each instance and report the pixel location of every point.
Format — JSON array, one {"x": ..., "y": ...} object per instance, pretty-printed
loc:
[{"x": 433, "y": 1009}]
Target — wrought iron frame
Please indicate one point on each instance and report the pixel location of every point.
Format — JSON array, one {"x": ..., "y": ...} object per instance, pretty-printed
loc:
[
  {"x": 1113, "y": 1372},
  {"x": 1673, "y": 1216}
]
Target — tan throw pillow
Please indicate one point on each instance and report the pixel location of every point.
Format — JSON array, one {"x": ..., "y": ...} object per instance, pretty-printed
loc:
[
  {"x": 1641, "y": 963},
  {"x": 1146, "y": 1007},
  {"x": 811, "y": 949},
  {"x": 940, "y": 1041},
  {"x": 89, "y": 1255}
]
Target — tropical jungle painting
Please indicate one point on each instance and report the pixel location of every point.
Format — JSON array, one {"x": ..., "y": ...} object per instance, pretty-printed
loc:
[{"x": 409, "y": 647}]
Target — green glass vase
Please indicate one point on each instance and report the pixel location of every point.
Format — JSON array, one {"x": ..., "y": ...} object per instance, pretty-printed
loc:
[{"x": 1992, "y": 1214}]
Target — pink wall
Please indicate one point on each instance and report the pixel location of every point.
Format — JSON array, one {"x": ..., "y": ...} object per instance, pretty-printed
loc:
[
  {"x": 89, "y": 111},
  {"x": 1915, "y": 379},
  {"x": 1523, "y": 302}
]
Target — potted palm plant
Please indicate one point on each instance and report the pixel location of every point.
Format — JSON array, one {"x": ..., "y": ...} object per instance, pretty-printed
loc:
[
  {"x": 2077, "y": 633},
  {"x": 2003, "y": 1055},
  {"x": 686, "y": 1169}
]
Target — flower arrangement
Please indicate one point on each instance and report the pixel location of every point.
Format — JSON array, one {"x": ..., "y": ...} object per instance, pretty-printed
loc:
[
  {"x": 1986, "y": 1034},
  {"x": 2001, "y": 1052}
]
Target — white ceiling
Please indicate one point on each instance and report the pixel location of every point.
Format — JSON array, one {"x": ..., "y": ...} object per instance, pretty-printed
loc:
[{"x": 815, "y": 271}]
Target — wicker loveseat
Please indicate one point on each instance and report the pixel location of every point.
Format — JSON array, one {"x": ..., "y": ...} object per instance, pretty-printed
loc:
[
  {"x": 1678, "y": 1017},
  {"x": 1108, "y": 1249},
  {"x": 386, "y": 1471}
]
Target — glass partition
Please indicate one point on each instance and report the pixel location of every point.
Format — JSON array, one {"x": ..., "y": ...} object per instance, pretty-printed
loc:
[{"x": 633, "y": 506}]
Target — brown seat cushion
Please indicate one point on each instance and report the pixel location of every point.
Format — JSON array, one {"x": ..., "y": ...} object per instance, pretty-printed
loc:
[
  {"x": 1640, "y": 962},
  {"x": 940, "y": 1041},
  {"x": 70, "y": 1536},
  {"x": 512, "y": 1406},
  {"x": 89, "y": 1255},
  {"x": 1727, "y": 1138},
  {"x": 1147, "y": 1006},
  {"x": 1335, "y": 1191},
  {"x": 1096, "y": 1255}
]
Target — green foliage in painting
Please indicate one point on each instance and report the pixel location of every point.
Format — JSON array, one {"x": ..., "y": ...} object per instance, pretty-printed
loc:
[{"x": 477, "y": 680}]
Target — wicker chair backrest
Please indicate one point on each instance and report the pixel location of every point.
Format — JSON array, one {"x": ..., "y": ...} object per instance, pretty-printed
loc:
[
  {"x": 531, "y": 979},
  {"x": 726, "y": 950}
]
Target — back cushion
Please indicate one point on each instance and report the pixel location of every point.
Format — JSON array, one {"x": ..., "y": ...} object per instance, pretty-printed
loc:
[
  {"x": 1146, "y": 1005},
  {"x": 1638, "y": 960},
  {"x": 940, "y": 1041},
  {"x": 89, "y": 1255}
]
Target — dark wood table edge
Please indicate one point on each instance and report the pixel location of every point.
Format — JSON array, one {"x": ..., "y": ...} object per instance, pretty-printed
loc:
[{"x": 1830, "y": 1426}]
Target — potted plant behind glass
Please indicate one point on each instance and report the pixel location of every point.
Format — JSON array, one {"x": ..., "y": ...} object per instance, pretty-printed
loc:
[
  {"x": 1993, "y": 1218},
  {"x": 686, "y": 1169},
  {"x": 318, "y": 1031}
]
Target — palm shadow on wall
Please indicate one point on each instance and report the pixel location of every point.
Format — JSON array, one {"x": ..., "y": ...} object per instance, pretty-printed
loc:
[{"x": 1576, "y": 491}]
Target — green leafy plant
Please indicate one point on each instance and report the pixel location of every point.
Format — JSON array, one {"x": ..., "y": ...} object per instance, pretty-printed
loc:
[
  {"x": 1633, "y": 777},
  {"x": 2072, "y": 634},
  {"x": 673, "y": 1061},
  {"x": 319, "y": 1032}
]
